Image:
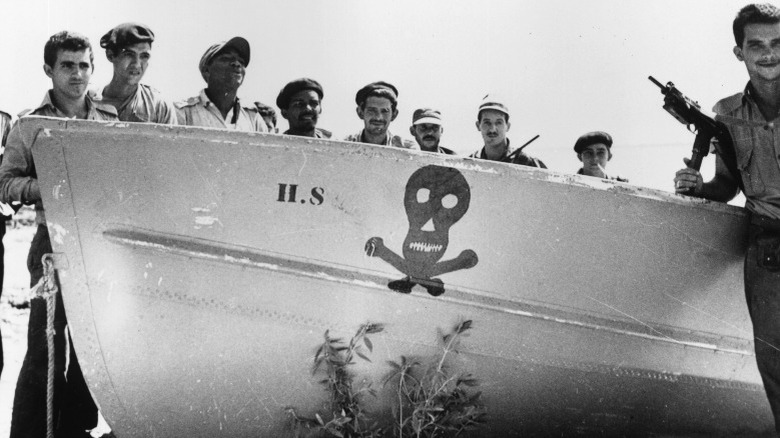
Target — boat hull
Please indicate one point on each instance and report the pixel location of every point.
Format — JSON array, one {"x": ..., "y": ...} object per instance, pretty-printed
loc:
[{"x": 203, "y": 266}]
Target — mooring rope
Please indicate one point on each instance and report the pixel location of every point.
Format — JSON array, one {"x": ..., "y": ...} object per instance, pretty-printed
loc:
[{"x": 47, "y": 290}]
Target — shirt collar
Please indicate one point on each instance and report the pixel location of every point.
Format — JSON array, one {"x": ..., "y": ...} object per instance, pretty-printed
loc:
[
  {"x": 48, "y": 102},
  {"x": 388, "y": 137},
  {"x": 204, "y": 99},
  {"x": 507, "y": 152}
]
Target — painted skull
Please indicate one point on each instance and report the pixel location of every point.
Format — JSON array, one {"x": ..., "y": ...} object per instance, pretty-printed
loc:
[{"x": 436, "y": 197}]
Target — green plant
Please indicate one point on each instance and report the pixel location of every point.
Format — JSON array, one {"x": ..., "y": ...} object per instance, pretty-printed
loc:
[
  {"x": 433, "y": 402},
  {"x": 348, "y": 420}
]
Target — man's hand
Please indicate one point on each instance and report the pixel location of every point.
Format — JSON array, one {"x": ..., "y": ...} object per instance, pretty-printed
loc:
[{"x": 688, "y": 181}]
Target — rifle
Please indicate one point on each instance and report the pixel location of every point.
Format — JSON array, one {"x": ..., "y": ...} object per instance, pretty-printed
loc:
[
  {"x": 689, "y": 114},
  {"x": 520, "y": 149}
]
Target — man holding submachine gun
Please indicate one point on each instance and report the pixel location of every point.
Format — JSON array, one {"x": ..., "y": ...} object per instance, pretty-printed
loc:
[{"x": 748, "y": 159}]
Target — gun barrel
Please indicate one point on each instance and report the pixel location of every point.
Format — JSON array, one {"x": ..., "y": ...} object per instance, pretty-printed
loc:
[
  {"x": 528, "y": 142},
  {"x": 660, "y": 85}
]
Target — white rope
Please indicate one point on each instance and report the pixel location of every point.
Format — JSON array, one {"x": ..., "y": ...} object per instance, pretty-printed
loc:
[{"x": 47, "y": 289}]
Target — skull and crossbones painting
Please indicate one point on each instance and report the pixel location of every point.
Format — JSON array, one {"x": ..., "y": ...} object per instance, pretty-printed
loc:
[{"x": 436, "y": 198}]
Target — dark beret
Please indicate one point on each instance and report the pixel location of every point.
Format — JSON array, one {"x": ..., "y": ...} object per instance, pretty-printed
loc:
[
  {"x": 126, "y": 34},
  {"x": 363, "y": 93},
  {"x": 283, "y": 100},
  {"x": 591, "y": 138}
]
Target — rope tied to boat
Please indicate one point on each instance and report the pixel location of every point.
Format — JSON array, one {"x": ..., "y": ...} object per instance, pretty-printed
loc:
[{"x": 47, "y": 290}]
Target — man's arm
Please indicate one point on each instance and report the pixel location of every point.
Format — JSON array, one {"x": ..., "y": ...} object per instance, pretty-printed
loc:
[
  {"x": 16, "y": 180},
  {"x": 722, "y": 187}
]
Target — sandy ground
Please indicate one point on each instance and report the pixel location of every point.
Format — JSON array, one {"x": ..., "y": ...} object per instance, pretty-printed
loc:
[{"x": 13, "y": 320}]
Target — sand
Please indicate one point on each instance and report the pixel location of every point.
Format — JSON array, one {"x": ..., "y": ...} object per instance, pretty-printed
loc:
[{"x": 13, "y": 319}]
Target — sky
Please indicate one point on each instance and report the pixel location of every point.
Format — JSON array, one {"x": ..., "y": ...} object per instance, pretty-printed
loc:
[{"x": 564, "y": 67}]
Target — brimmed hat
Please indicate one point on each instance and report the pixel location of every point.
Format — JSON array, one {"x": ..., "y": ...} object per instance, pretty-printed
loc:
[
  {"x": 426, "y": 115},
  {"x": 126, "y": 34},
  {"x": 490, "y": 103},
  {"x": 283, "y": 100},
  {"x": 239, "y": 44},
  {"x": 592, "y": 138}
]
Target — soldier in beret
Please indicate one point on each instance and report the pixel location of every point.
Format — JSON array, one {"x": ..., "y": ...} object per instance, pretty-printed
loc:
[
  {"x": 493, "y": 124},
  {"x": 427, "y": 130},
  {"x": 223, "y": 67},
  {"x": 301, "y": 104},
  {"x": 129, "y": 48},
  {"x": 377, "y": 107},
  {"x": 594, "y": 150}
]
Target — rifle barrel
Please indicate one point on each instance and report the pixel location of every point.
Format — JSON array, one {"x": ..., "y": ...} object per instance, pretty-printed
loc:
[
  {"x": 660, "y": 85},
  {"x": 527, "y": 143}
]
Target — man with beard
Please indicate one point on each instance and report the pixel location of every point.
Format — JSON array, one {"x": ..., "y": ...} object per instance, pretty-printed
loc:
[
  {"x": 594, "y": 150},
  {"x": 377, "y": 107},
  {"x": 427, "y": 130},
  {"x": 301, "y": 104},
  {"x": 223, "y": 67},
  {"x": 68, "y": 62},
  {"x": 493, "y": 124},
  {"x": 128, "y": 47}
]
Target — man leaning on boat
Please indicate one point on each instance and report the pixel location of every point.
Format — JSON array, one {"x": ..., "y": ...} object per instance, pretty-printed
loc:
[
  {"x": 129, "y": 48},
  {"x": 377, "y": 107},
  {"x": 427, "y": 130},
  {"x": 594, "y": 150},
  {"x": 69, "y": 64},
  {"x": 223, "y": 67},
  {"x": 753, "y": 117},
  {"x": 300, "y": 102},
  {"x": 493, "y": 124}
]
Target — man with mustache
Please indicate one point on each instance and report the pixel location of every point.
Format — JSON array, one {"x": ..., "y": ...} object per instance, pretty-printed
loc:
[
  {"x": 594, "y": 150},
  {"x": 493, "y": 124},
  {"x": 300, "y": 102},
  {"x": 223, "y": 67},
  {"x": 68, "y": 59},
  {"x": 427, "y": 130},
  {"x": 753, "y": 120},
  {"x": 128, "y": 47},
  {"x": 377, "y": 105}
]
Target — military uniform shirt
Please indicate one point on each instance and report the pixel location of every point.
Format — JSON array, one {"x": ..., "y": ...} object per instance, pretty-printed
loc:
[
  {"x": 518, "y": 158},
  {"x": 757, "y": 146},
  {"x": 146, "y": 105},
  {"x": 17, "y": 171},
  {"x": 200, "y": 111},
  {"x": 390, "y": 140}
]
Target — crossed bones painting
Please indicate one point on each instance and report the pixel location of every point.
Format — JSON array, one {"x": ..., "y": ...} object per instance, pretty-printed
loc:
[{"x": 436, "y": 198}]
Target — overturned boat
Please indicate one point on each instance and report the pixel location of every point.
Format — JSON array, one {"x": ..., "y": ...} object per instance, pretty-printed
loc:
[{"x": 201, "y": 267}]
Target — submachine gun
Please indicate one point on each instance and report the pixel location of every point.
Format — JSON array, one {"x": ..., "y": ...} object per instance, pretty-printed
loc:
[{"x": 689, "y": 114}]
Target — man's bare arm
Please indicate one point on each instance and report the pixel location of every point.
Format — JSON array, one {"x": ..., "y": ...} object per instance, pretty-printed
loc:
[{"x": 722, "y": 187}]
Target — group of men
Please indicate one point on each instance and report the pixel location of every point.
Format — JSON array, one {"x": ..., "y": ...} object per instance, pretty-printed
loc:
[{"x": 750, "y": 116}]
